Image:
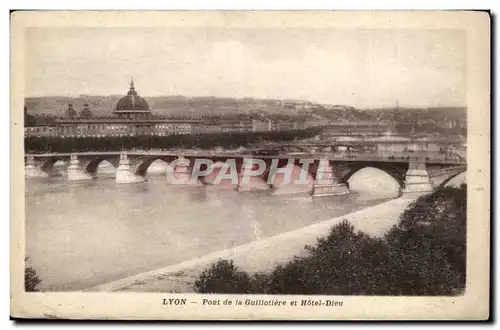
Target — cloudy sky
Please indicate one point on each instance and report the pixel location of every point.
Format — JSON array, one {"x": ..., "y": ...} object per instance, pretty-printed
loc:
[{"x": 362, "y": 68}]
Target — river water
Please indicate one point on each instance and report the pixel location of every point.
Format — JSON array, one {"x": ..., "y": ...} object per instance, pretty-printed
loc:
[{"x": 79, "y": 235}]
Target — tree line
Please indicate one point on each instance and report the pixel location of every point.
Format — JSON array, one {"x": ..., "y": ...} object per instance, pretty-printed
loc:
[
  {"x": 147, "y": 142},
  {"x": 424, "y": 254}
]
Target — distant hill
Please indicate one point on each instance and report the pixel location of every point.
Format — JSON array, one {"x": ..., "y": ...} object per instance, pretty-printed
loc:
[
  {"x": 164, "y": 105},
  {"x": 178, "y": 105},
  {"x": 436, "y": 114},
  {"x": 57, "y": 105}
]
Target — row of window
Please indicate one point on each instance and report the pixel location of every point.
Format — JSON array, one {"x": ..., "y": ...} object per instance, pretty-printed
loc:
[
  {"x": 116, "y": 130},
  {"x": 38, "y": 129},
  {"x": 174, "y": 126},
  {"x": 110, "y": 129}
]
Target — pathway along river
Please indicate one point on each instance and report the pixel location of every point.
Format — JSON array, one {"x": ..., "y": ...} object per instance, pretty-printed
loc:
[{"x": 79, "y": 235}]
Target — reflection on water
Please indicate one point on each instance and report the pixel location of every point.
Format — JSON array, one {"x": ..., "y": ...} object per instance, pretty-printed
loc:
[{"x": 83, "y": 234}]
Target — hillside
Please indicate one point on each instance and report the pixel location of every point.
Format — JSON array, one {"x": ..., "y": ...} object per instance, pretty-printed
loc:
[
  {"x": 164, "y": 105},
  {"x": 432, "y": 118}
]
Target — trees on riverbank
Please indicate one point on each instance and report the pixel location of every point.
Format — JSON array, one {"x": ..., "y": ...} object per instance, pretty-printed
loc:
[
  {"x": 424, "y": 254},
  {"x": 201, "y": 141},
  {"x": 31, "y": 279}
]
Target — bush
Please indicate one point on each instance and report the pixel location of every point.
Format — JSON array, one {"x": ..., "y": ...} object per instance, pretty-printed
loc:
[
  {"x": 344, "y": 263},
  {"x": 31, "y": 280},
  {"x": 223, "y": 277},
  {"x": 424, "y": 254},
  {"x": 428, "y": 246}
]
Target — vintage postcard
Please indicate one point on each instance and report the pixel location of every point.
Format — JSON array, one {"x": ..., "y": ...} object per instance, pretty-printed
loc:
[{"x": 250, "y": 165}]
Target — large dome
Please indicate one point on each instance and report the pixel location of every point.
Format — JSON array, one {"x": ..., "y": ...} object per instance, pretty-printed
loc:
[{"x": 132, "y": 101}]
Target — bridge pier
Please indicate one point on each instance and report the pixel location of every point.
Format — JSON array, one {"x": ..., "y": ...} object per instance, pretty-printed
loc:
[
  {"x": 417, "y": 180},
  {"x": 181, "y": 174},
  {"x": 125, "y": 173},
  {"x": 247, "y": 182},
  {"x": 75, "y": 171},
  {"x": 34, "y": 170},
  {"x": 326, "y": 182}
]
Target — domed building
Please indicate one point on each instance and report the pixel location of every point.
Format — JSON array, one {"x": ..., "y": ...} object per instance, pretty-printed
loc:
[
  {"x": 132, "y": 106},
  {"x": 132, "y": 116}
]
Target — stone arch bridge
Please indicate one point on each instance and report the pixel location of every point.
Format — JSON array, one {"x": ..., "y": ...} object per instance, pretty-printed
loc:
[{"x": 329, "y": 172}]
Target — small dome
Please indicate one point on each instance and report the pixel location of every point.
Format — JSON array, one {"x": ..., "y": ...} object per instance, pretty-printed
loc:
[
  {"x": 132, "y": 101},
  {"x": 86, "y": 113},
  {"x": 71, "y": 112}
]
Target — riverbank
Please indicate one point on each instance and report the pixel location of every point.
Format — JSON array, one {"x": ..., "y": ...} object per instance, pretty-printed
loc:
[{"x": 261, "y": 255}]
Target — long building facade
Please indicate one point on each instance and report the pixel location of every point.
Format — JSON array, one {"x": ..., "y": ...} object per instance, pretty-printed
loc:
[{"x": 132, "y": 116}]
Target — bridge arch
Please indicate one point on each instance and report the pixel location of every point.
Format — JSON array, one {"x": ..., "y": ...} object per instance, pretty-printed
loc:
[
  {"x": 396, "y": 172},
  {"x": 92, "y": 165},
  {"x": 142, "y": 163},
  {"x": 372, "y": 181},
  {"x": 452, "y": 176},
  {"x": 47, "y": 164}
]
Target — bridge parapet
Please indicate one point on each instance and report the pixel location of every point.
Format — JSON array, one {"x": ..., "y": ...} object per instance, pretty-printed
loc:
[{"x": 424, "y": 157}]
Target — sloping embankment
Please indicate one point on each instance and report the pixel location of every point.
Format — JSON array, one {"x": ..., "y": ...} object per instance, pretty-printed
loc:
[{"x": 260, "y": 255}]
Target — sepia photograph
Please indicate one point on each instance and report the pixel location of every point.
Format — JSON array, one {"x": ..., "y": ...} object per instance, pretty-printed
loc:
[{"x": 250, "y": 165}]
